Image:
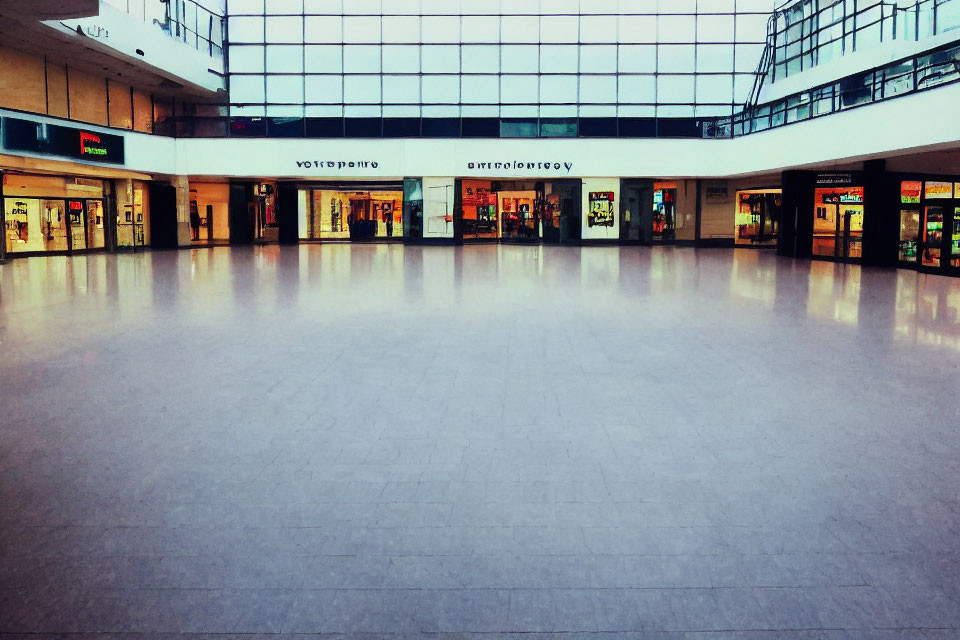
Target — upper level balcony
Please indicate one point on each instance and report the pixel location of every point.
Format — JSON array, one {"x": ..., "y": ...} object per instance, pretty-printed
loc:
[{"x": 172, "y": 47}]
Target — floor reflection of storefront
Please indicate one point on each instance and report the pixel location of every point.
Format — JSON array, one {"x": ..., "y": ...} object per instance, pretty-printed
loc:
[
  {"x": 44, "y": 214},
  {"x": 364, "y": 211},
  {"x": 927, "y": 311},
  {"x": 834, "y": 292},
  {"x": 930, "y": 225},
  {"x": 520, "y": 210}
]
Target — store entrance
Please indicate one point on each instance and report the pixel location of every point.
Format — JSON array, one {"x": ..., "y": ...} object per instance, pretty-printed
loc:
[
  {"x": 930, "y": 225},
  {"x": 636, "y": 200},
  {"x": 362, "y": 211},
  {"x": 520, "y": 211},
  {"x": 838, "y": 223},
  {"x": 648, "y": 211}
]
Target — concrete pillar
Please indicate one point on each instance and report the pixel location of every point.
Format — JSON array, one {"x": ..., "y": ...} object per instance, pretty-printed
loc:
[{"x": 182, "y": 185}]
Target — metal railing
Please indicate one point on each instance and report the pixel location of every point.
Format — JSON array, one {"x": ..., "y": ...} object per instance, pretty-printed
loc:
[
  {"x": 910, "y": 75},
  {"x": 186, "y": 20},
  {"x": 807, "y": 33}
]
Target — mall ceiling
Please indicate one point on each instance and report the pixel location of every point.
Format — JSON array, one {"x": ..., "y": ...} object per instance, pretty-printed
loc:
[{"x": 21, "y": 28}]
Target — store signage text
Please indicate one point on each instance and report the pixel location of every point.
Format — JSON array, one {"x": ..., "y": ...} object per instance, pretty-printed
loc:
[
  {"x": 96, "y": 31},
  {"x": 834, "y": 178},
  {"x": 56, "y": 140},
  {"x": 520, "y": 165},
  {"x": 338, "y": 164},
  {"x": 91, "y": 145}
]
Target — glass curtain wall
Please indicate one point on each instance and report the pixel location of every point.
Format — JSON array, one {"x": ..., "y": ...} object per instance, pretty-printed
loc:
[{"x": 486, "y": 68}]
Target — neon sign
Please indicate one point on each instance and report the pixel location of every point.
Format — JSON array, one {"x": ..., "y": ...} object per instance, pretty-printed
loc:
[{"x": 91, "y": 145}]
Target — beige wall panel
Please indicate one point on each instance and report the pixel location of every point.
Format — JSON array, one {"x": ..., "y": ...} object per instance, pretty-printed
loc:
[
  {"x": 57, "y": 89},
  {"x": 88, "y": 97},
  {"x": 142, "y": 112},
  {"x": 121, "y": 108},
  {"x": 22, "y": 85}
]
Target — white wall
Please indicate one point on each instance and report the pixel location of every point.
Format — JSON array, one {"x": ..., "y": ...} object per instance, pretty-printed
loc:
[{"x": 602, "y": 185}]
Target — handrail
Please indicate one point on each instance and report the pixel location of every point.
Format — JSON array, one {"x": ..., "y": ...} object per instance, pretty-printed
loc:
[{"x": 186, "y": 20}]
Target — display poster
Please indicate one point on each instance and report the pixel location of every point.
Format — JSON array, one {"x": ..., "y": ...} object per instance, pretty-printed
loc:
[
  {"x": 956, "y": 190},
  {"x": 601, "y": 213},
  {"x": 910, "y": 191},
  {"x": 938, "y": 190}
]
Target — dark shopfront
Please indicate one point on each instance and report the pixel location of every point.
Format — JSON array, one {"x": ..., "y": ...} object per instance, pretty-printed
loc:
[
  {"x": 518, "y": 211},
  {"x": 928, "y": 210},
  {"x": 872, "y": 217}
]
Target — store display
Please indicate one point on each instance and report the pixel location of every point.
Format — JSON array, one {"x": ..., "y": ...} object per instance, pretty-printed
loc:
[
  {"x": 601, "y": 212},
  {"x": 757, "y": 217},
  {"x": 838, "y": 223},
  {"x": 910, "y": 191},
  {"x": 909, "y": 234},
  {"x": 353, "y": 215},
  {"x": 932, "y": 237}
]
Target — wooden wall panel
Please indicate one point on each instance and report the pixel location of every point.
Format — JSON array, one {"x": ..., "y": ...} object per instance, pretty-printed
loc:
[
  {"x": 88, "y": 97},
  {"x": 22, "y": 85},
  {"x": 57, "y": 90},
  {"x": 142, "y": 112},
  {"x": 121, "y": 107}
]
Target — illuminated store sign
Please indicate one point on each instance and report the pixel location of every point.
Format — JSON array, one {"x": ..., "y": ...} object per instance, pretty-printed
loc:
[
  {"x": 851, "y": 195},
  {"x": 910, "y": 191},
  {"x": 938, "y": 190},
  {"x": 55, "y": 140}
]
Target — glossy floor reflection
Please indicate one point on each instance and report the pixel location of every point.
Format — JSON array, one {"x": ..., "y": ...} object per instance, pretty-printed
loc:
[{"x": 421, "y": 441}]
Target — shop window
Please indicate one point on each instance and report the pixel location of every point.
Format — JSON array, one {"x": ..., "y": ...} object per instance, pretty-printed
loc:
[
  {"x": 757, "y": 217},
  {"x": 678, "y": 128},
  {"x": 336, "y": 214},
  {"x": 401, "y": 127},
  {"x": 363, "y": 127},
  {"x": 441, "y": 127},
  {"x": 838, "y": 223},
  {"x": 558, "y": 127},
  {"x": 598, "y": 127},
  {"x": 248, "y": 127},
  {"x": 480, "y": 127},
  {"x": 324, "y": 127},
  {"x": 638, "y": 127}
]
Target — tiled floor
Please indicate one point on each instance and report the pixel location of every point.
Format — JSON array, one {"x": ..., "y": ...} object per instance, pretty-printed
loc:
[{"x": 380, "y": 441}]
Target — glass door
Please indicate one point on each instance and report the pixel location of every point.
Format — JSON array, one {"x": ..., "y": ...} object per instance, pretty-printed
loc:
[
  {"x": 664, "y": 211},
  {"x": 76, "y": 215},
  {"x": 932, "y": 236},
  {"x": 909, "y": 234},
  {"x": 53, "y": 224},
  {"x": 955, "y": 240},
  {"x": 95, "y": 220}
]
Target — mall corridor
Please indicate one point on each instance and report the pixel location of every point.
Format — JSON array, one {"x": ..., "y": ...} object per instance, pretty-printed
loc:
[{"x": 401, "y": 441}]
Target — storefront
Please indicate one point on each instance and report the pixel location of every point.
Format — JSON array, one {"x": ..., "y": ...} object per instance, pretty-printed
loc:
[
  {"x": 838, "y": 217},
  {"x": 657, "y": 211},
  {"x": 519, "y": 210},
  {"x": 929, "y": 216},
  {"x": 757, "y": 217},
  {"x": 363, "y": 211},
  {"x": 53, "y": 214}
]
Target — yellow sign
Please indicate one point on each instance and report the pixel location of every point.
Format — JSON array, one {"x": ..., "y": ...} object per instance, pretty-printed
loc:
[{"x": 938, "y": 190}]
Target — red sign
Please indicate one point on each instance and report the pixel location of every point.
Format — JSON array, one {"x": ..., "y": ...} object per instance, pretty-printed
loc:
[
  {"x": 76, "y": 206},
  {"x": 602, "y": 196},
  {"x": 91, "y": 145}
]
